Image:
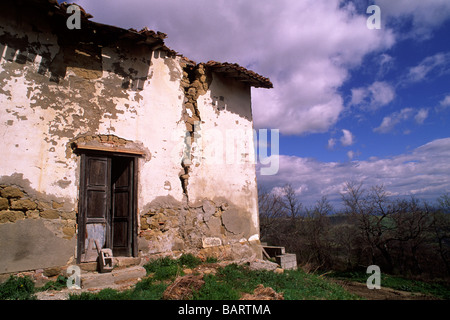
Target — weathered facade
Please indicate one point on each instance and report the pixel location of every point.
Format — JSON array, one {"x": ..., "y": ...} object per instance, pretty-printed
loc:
[{"x": 108, "y": 135}]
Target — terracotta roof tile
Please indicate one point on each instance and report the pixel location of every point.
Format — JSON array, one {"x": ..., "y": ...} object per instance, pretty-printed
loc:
[{"x": 240, "y": 73}]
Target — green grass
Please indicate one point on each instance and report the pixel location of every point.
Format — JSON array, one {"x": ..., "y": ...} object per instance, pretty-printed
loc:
[
  {"x": 17, "y": 288},
  {"x": 438, "y": 289},
  {"x": 161, "y": 271},
  {"x": 189, "y": 261},
  {"x": 168, "y": 268},
  {"x": 229, "y": 283},
  {"x": 233, "y": 280}
]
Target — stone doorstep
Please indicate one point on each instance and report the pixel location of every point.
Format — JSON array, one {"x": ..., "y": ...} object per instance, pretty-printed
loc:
[
  {"x": 125, "y": 262},
  {"x": 118, "y": 262},
  {"x": 117, "y": 277}
]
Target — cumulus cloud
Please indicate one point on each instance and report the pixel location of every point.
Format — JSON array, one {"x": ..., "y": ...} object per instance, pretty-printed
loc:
[
  {"x": 350, "y": 154},
  {"x": 307, "y": 48},
  {"x": 421, "y": 115},
  {"x": 385, "y": 62},
  {"x": 390, "y": 121},
  {"x": 445, "y": 102},
  {"x": 393, "y": 119},
  {"x": 421, "y": 17},
  {"x": 424, "y": 172},
  {"x": 347, "y": 138},
  {"x": 434, "y": 65},
  {"x": 374, "y": 96},
  {"x": 331, "y": 143}
]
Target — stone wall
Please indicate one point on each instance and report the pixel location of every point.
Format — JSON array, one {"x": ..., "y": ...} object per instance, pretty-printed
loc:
[
  {"x": 205, "y": 230},
  {"x": 16, "y": 205},
  {"x": 34, "y": 233}
]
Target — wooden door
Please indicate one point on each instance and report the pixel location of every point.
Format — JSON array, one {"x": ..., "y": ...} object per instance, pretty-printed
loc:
[
  {"x": 107, "y": 205},
  {"x": 122, "y": 205}
]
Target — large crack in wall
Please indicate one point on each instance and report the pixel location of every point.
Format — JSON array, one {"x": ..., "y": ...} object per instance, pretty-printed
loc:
[{"x": 195, "y": 82}]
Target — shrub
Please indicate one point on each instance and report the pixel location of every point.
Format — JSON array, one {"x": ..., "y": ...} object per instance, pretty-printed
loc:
[
  {"x": 17, "y": 288},
  {"x": 59, "y": 284}
]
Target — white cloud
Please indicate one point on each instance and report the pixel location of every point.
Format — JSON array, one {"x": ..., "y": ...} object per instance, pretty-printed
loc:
[
  {"x": 421, "y": 116},
  {"x": 307, "y": 48},
  {"x": 372, "y": 97},
  {"x": 423, "y": 17},
  {"x": 350, "y": 154},
  {"x": 386, "y": 62},
  {"x": 347, "y": 138},
  {"x": 423, "y": 172},
  {"x": 358, "y": 95},
  {"x": 445, "y": 102},
  {"x": 389, "y": 122},
  {"x": 331, "y": 143},
  {"x": 434, "y": 65},
  {"x": 382, "y": 93}
]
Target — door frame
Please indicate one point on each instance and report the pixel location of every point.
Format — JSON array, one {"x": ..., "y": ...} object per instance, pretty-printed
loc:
[{"x": 82, "y": 215}]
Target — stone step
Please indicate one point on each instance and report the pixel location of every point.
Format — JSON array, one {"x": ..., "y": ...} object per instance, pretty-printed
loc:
[
  {"x": 116, "y": 278},
  {"x": 118, "y": 262}
]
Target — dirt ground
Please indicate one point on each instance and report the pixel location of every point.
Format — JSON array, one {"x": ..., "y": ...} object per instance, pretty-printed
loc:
[{"x": 361, "y": 290}]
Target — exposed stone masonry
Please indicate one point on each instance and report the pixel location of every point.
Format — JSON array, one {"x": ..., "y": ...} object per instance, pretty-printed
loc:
[
  {"x": 16, "y": 205},
  {"x": 195, "y": 82}
]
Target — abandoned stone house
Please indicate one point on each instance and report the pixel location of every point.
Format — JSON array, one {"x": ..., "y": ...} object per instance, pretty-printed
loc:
[{"x": 104, "y": 135}]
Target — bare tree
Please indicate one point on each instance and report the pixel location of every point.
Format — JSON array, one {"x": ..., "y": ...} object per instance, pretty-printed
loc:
[
  {"x": 440, "y": 226},
  {"x": 355, "y": 204},
  {"x": 352, "y": 197},
  {"x": 291, "y": 202},
  {"x": 271, "y": 210},
  {"x": 399, "y": 235},
  {"x": 370, "y": 210},
  {"x": 316, "y": 231}
]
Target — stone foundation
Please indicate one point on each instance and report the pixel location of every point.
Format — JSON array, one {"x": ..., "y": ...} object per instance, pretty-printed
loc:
[
  {"x": 16, "y": 204},
  {"x": 216, "y": 229}
]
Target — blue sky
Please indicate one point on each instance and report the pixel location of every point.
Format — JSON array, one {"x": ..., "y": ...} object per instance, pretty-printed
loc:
[{"x": 351, "y": 103}]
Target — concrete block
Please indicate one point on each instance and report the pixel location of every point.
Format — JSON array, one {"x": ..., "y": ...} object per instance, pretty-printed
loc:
[{"x": 287, "y": 261}]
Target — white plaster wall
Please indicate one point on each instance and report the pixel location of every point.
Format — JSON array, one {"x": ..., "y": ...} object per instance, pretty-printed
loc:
[
  {"x": 226, "y": 150},
  {"x": 162, "y": 133},
  {"x": 24, "y": 132},
  {"x": 35, "y": 113}
]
